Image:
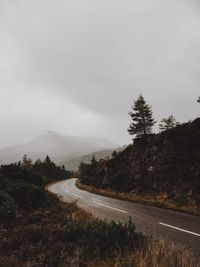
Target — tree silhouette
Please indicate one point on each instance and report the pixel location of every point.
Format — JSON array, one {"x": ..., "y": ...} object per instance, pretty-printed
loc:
[
  {"x": 142, "y": 118},
  {"x": 48, "y": 160},
  {"x": 168, "y": 123},
  {"x": 93, "y": 161},
  {"x": 26, "y": 162},
  {"x": 114, "y": 154}
]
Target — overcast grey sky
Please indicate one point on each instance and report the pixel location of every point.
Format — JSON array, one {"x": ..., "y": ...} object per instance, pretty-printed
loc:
[{"x": 73, "y": 66}]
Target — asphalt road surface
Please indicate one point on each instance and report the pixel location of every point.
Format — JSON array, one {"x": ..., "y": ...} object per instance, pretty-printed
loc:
[{"x": 171, "y": 226}]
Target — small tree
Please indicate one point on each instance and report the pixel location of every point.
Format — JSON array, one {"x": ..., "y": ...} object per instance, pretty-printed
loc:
[
  {"x": 198, "y": 100},
  {"x": 93, "y": 161},
  {"x": 168, "y": 123},
  {"x": 26, "y": 162},
  {"x": 48, "y": 160},
  {"x": 142, "y": 118},
  {"x": 38, "y": 162},
  {"x": 114, "y": 154}
]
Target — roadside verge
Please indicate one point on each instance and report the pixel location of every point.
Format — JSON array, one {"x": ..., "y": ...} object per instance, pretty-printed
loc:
[{"x": 160, "y": 201}]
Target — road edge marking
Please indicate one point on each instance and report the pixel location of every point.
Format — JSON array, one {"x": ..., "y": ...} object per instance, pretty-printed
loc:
[
  {"x": 77, "y": 195},
  {"x": 179, "y": 229},
  {"x": 67, "y": 191},
  {"x": 98, "y": 203},
  {"x": 63, "y": 188}
]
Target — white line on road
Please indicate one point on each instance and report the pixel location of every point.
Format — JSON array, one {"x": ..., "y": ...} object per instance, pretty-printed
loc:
[
  {"x": 109, "y": 207},
  {"x": 76, "y": 195},
  {"x": 179, "y": 229},
  {"x": 64, "y": 188},
  {"x": 67, "y": 191}
]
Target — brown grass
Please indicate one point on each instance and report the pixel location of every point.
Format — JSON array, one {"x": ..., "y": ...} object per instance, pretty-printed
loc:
[
  {"x": 35, "y": 239},
  {"x": 160, "y": 200},
  {"x": 158, "y": 254}
]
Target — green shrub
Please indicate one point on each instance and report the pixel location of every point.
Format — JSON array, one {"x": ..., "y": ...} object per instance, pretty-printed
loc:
[
  {"x": 101, "y": 238},
  {"x": 28, "y": 196},
  {"x": 7, "y": 206},
  {"x": 11, "y": 174}
]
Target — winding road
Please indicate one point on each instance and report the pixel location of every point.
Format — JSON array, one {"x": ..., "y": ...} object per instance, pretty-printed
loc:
[{"x": 160, "y": 223}]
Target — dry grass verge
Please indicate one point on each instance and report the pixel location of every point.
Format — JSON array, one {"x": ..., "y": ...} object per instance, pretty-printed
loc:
[
  {"x": 158, "y": 254},
  {"x": 153, "y": 200},
  {"x": 62, "y": 235}
]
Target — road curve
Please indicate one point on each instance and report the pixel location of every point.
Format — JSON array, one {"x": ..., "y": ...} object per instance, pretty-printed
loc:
[{"x": 160, "y": 223}]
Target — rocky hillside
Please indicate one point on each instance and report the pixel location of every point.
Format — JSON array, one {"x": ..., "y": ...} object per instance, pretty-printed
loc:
[{"x": 168, "y": 162}]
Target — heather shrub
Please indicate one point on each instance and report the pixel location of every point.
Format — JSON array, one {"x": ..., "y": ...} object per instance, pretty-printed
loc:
[
  {"x": 28, "y": 196},
  {"x": 7, "y": 206},
  {"x": 101, "y": 238}
]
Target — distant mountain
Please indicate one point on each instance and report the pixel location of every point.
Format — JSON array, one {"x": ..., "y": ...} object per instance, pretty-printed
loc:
[
  {"x": 59, "y": 147},
  {"x": 73, "y": 164}
]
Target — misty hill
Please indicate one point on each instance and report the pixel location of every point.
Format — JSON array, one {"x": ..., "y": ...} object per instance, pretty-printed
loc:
[
  {"x": 59, "y": 147},
  {"x": 74, "y": 163}
]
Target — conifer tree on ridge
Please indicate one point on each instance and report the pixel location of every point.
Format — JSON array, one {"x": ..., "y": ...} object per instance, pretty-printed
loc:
[{"x": 142, "y": 118}]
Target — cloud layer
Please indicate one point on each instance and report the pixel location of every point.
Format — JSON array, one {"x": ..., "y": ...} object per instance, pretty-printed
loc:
[{"x": 74, "y": 66}]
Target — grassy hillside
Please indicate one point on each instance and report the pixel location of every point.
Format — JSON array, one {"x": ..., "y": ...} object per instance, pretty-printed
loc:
[{"x": 73, "y": 164}]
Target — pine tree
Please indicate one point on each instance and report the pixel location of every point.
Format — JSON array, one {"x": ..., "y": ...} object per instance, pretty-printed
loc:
[
  {"x": 19, "y": 164},
  {"x": 168, "y": 123},
  {"x": 93, "y": 161},
  {"x": 38, "y": 162},
  {"x": 26, "y": 162},
  {"x": 142, "y": 118},
  {"x": 114, "y": 154},
  {"x": 48, "y": 160}
]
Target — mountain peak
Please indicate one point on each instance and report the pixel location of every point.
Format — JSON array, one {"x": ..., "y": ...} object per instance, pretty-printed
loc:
[{"x": 59, "y": 147}]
